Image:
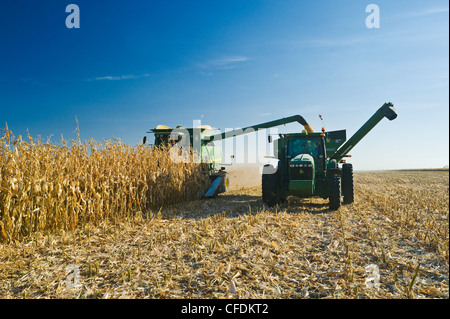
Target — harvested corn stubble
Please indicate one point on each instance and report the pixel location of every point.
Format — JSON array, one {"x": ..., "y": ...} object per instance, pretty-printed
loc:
[{"x": 392, "y": 242}]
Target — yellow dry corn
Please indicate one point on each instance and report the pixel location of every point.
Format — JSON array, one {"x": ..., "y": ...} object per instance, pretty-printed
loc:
[{"x": 47, "y": 186}]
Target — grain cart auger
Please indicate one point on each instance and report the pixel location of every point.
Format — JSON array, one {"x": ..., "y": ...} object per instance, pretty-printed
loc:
[
  {"x": 308, "y": 164},
  {"x": 202, "y": 139}
]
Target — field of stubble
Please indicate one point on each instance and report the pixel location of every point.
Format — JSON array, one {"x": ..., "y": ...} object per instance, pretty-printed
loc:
[{"x": 234, "y": 247}]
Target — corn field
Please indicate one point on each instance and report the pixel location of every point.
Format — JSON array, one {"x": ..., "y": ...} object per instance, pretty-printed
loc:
[
  {"x": 48, "y": 187},
  {"x": 85, "y": 220}
]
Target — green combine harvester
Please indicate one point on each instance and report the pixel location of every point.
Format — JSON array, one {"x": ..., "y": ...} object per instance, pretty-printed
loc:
[
  {"x": 197, "y": 139},
  {"x": 308, "y": 164}
]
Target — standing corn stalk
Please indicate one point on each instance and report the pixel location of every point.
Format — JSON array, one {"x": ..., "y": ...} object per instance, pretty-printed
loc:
[{"x": 46, "y": 187}]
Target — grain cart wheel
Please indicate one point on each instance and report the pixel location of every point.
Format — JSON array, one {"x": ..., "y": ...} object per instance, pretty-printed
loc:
[
  {"x": 335, "y": 192},
  {"x": 347, "y": 183},
  {"x": 270, "y": 186}
]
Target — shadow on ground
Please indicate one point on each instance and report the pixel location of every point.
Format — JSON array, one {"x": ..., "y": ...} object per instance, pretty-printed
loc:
[{"x": 244, "y": 201}]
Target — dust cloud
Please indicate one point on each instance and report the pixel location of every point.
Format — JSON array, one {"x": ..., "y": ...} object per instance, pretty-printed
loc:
[{"x": 244, "y": 175}]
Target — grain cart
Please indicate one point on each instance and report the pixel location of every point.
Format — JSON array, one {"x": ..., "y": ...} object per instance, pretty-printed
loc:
[{"x": 312, "y": 164}]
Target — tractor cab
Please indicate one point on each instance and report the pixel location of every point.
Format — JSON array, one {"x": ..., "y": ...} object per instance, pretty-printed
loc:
[
  {"x": 308, "y": 144},
  {"x": 305, "y": 159}
]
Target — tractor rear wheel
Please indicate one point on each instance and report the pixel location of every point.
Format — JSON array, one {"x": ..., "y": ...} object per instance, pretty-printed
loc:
[
  {"x": 334, "y": 185},
  {"x": 347, "y": 183},
  {"x": 271, "y": 187}
]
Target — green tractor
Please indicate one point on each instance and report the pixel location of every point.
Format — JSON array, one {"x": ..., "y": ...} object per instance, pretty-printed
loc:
[
  {"x": 312, "y": 164},
  {"x": 308, "y": 164}
]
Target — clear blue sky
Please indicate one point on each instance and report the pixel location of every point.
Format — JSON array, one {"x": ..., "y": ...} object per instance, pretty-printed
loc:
[{"x": 135, "y": 64}]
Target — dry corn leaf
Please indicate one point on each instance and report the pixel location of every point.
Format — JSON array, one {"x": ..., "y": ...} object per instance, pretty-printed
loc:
[{"x": 429, "y": 291}]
